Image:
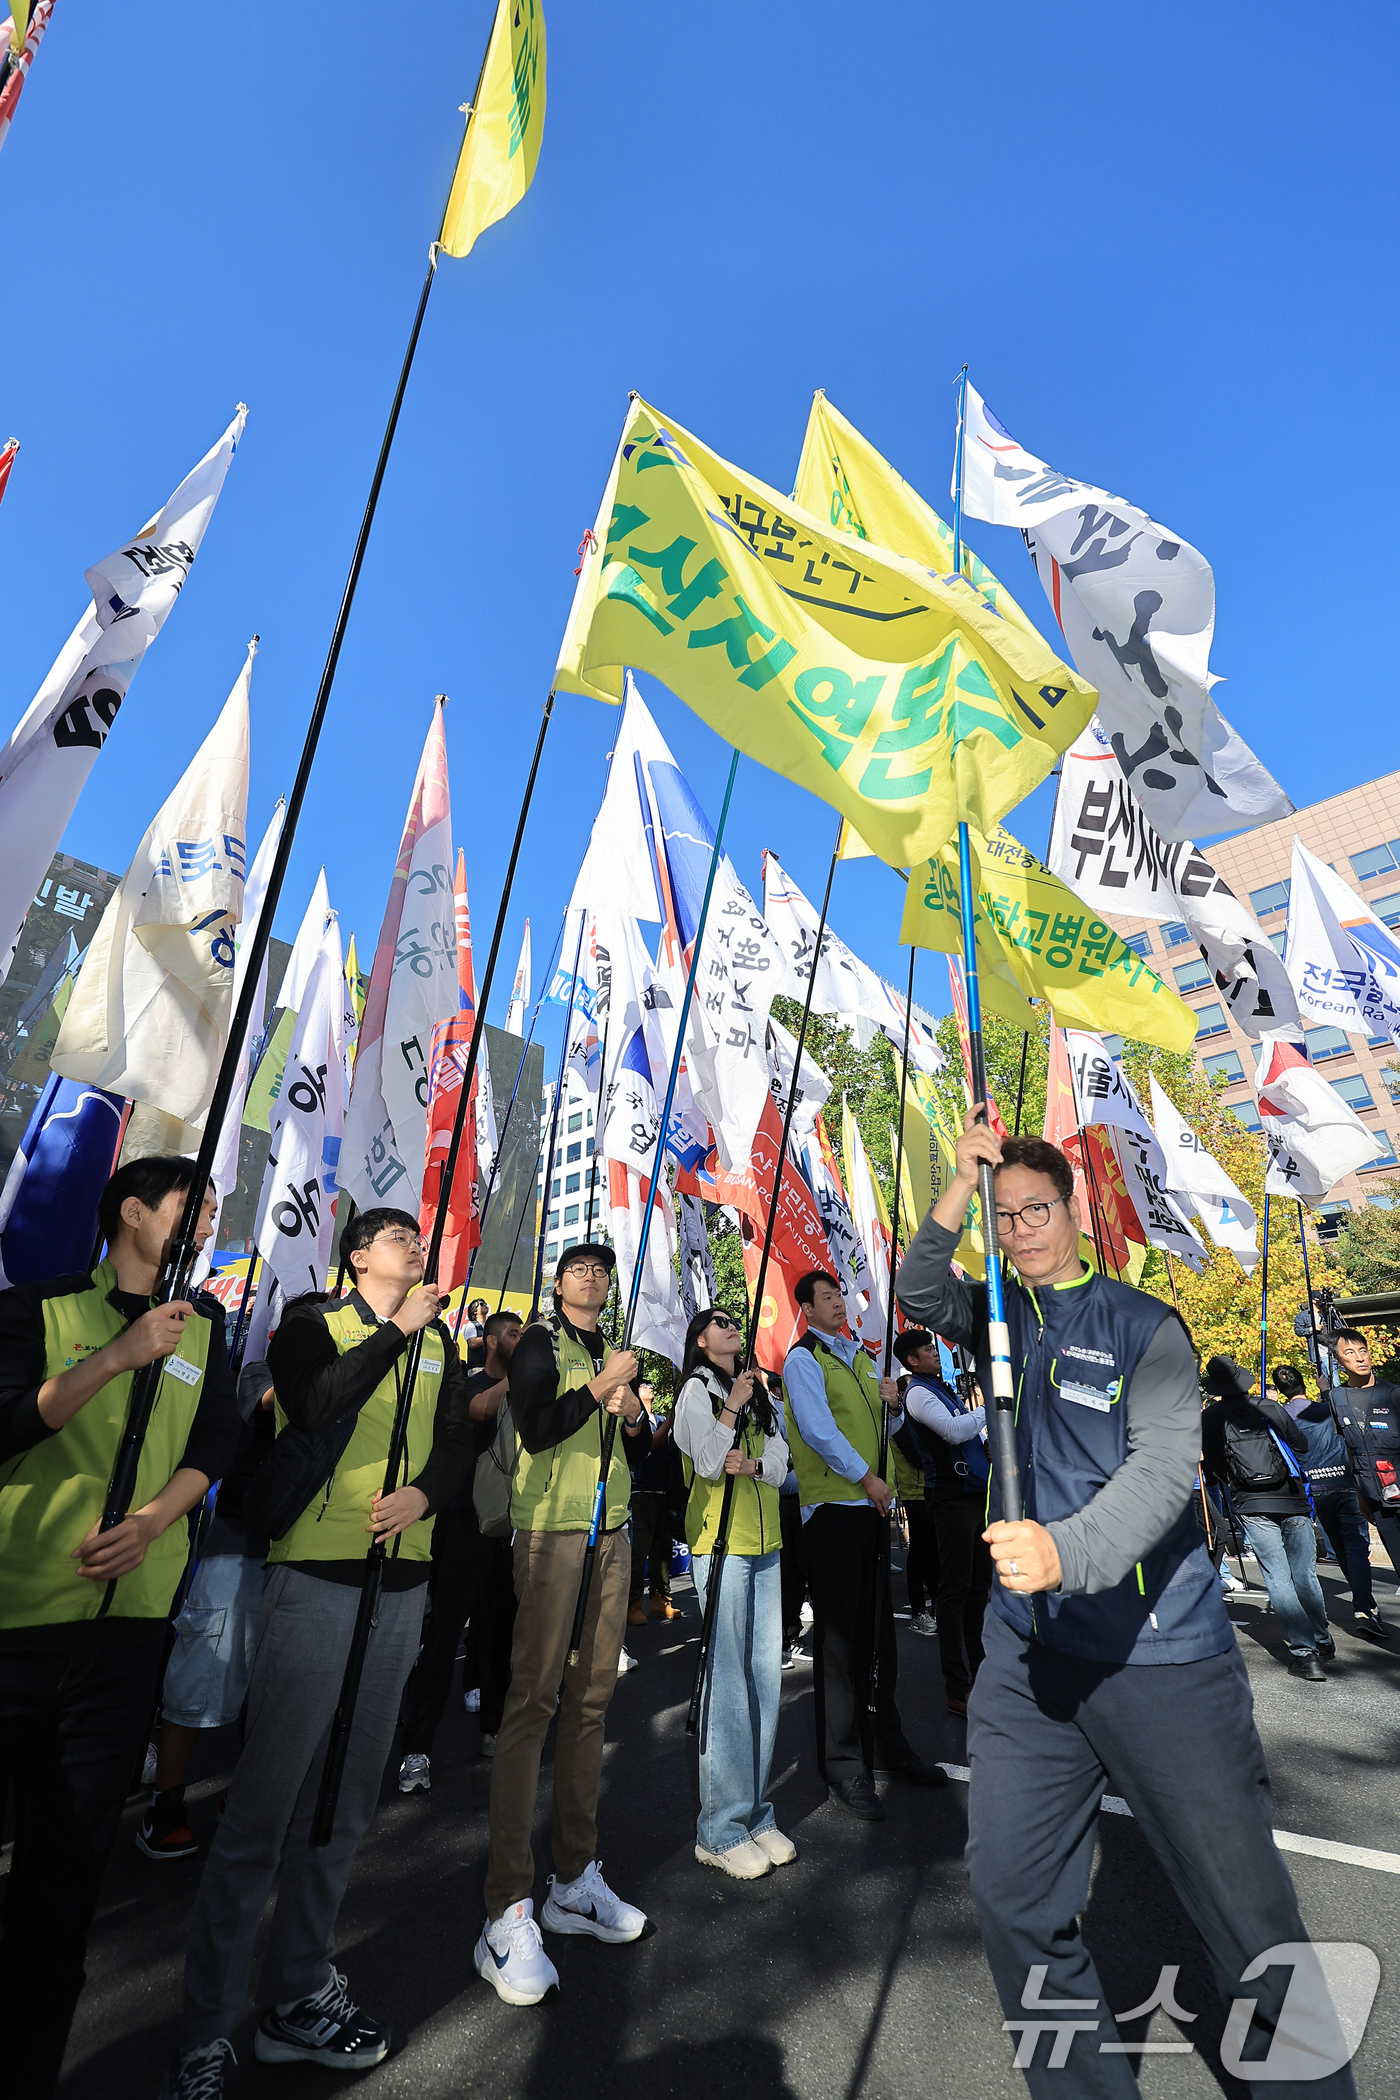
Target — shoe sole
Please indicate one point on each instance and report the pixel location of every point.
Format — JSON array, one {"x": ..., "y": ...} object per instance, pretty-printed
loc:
[
  {"x": 857, "y": 1815},
  {"x": 717, "y": 1859},
  {"x": 268, "y": 2050},
  {"x": 160, "y": 1852},
  {"x": 506, "y": 1992},
  {"x": 415, "y": 1786},
  {"x": 554, "y": 1920}
]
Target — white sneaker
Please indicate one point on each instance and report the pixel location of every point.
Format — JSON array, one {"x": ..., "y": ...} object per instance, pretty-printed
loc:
[
  {"x": 746, "y": 1861},
  {"x": 415, "y": 1774},
  {"x": 1229, "y": 1583},
  {"x": 923, "y": 1622},
  {"x": 807, "y": 1615},
  {"x": 777, "y": 1844},
  {"x": 589, "y": 1905},
  {"x": 626, "y": 1662},
  {"x": 510, "y": 1956},
  {"x": 472, "y": 1699}
]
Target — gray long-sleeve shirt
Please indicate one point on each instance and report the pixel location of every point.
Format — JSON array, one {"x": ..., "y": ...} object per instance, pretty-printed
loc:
[{"x": 1136, "y": 1508}]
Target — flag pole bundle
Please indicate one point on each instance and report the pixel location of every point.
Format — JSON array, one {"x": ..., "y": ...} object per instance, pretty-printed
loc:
[{"x": 882, "y": 1551}]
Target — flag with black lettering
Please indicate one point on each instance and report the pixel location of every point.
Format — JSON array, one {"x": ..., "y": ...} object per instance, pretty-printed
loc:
[{"x": 295, "y": 1223}]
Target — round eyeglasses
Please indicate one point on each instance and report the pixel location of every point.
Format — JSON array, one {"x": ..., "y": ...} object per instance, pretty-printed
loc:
[{"x": 1031, "y": 1216}]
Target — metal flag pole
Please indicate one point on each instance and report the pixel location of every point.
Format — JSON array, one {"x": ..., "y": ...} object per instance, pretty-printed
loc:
[
  {"x": 597, "y": 1124},
  {"x": 180, "y": 1259},
  {"x": 882, "y": 1548},
  {"x": 323, "y": 1822},
  {"x": 1264, "y": 1306},
  {"x": 717, "y": 1554},
  {"x": 554, "y": 1120},
  {"x": 590, "y": 1550},
  {"x": 233, "y": 1350},
  {"x": 1314, "y": 1339},
  {"x": 1021, "y": 1082}
]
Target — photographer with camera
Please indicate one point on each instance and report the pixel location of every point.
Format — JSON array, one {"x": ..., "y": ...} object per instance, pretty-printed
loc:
[{"x": 1368, "y": 1415}]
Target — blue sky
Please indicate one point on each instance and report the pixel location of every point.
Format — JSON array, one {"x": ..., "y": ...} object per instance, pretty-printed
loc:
[{"x": 1163, "y": 239}]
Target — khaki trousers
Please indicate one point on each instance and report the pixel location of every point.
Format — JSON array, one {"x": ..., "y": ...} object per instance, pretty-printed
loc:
[{"x": 548, "y": 1565}]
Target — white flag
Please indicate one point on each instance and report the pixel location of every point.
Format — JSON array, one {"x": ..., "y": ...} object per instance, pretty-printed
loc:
[
  {"x": 847, "y": 1253},
  {"x": 617, "y": 871},
  {"x": 45, "y": 765},
  {"x": 1258, "y": 993},
  {"x": 660, "y": 1320},
  {"x": 868, "y": 1214},
  {"x": 150, "y": 1009},
  {"x": 1343, "y": 963},
  {"x": 412, "y": 986},
  {"x": 225, "y": 1170},
  {"x": 1104, "y": 1094},
  {"x": 697, "y": 1267},
  {"x": 814, "y": 1087},
  {"x": 1314, "y": 1137},
  {"x": 1136, "y": 605},
  {"x": 306, "y": 948},
  {"x": 520, "y": 990},
  {"x": 844, "y": 984},
  {"x": 738, "y": 972},
  {"x": 295, "y": 1222},
  {"x": 487, "y": 1140},
  {"x": 1202, "y": 1183}
]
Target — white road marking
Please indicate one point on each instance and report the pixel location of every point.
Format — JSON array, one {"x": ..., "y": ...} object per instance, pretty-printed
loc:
[{"x": 1286, "y": 1840}]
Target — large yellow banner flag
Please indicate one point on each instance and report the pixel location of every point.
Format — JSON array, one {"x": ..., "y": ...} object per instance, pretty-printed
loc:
[
  {"x": 929, "y": 1141},
  {"x": 892, "y": 694},
  {"x": 841, "y": 476},
  {"x": 1035, "y": 930},
  {"x": 504, "y": 127}
]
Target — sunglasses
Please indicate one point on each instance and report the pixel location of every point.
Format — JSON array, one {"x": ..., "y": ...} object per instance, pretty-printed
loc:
[{"x": 725, "y": 1324}]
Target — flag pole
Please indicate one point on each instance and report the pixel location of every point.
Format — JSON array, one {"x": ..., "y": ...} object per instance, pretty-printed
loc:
[
  {"x": 1315, "y": 1344},
  {"x": 1264, "y": 1306},
  {"x": 323, "y": 1821},
  {"x": 554, "y": 1119},
  {"x": 180, "y": 1258},
  {"x": 234, "y": 1359},
  {"x": 1021, "y": 1082},
  {"x": 882, "y": 1547},
  {"x": 598, "y": 1123},
  {"x": 590, "y": 1550},
  {"x": 756, "y": 1296}
]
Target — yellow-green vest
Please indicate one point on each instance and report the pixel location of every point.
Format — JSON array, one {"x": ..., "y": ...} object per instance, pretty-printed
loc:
[
  {"x": 554, "y": 1489},
  {"x": 853, "y": 1395},
  {"x": 332, "y": 1527},
  {"x": 754, "y": 1523},
  {"x": 908, "y": 1479},
  {"x": 52, "y": 1495}
]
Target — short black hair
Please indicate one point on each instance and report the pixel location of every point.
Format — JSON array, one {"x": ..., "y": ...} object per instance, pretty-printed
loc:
[
  {"x": 473, "y": 1303},
  {"x": 1039, "y": 1156},
  {"x": 805, "y": 1288},
  {"x": 149, "y": 1180},
  {"x": 1287, "y": 1380},
  {"x": 1350, "y": 1334},
  {"x": 366, "y": 1226},
  {"x": 910, "y": 1343},
  {"x": 497, "y": 1322}
]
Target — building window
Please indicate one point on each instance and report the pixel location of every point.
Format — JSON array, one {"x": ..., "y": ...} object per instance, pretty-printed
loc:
[
  {"x": 1278, "y": 941},
  {"x": 1326, "y": 1042},
  {"x": 571, "y": 1214},
  {"x": 551, "y": 1253},
  {"x": 1379, "y": 1202},
  {"x": 559, "y": 1157},
  {"x": 1353, "y": 1090},
  {"x": 571, "y": 1185},
  {"x": 1113, "y": 1044},
  {"x": 569, "y": 1243},
  {"x": 1174, "y": 933},
  {"x": 1245, "y": 1112},
  {"x": 1273, "y": 897},
  {"x": 1382, "y": 1159},
  {"x": 1376, "y": 860},
  {"x": 1224, "y": 1065},
  {"x": 588, "y": 1149},
  {"x": 1387, "y": 910},
  {"x": 1140, "y": 943},
  {"x": 590, "y": 1119},
  {"x": 1192, "y": 977},
  {"x": 1210, "y": 1020},
  {"x": 1379, "y": 1042},
  {"x": 554, "y": 1186},
  {"x": 576, "y": 1122},
  {"x": 554, "y": 1221},
  {"x": 574, "y": 1152},
  {"x": 1333, "y": 1210}
]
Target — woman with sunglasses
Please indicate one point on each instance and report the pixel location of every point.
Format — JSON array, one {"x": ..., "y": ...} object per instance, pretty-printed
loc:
[{"x": 737, "y": 1830}]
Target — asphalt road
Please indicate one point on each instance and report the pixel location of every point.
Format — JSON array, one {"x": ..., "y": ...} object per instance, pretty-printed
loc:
[{"x": 857, "y": 1970}]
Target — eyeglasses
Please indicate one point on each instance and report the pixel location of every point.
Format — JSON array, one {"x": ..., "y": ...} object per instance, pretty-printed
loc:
[
  {"x": 1031, "y": 1216},
  {"x": 401, "y": 1239},
  {"x": 585, "y": 1268}
]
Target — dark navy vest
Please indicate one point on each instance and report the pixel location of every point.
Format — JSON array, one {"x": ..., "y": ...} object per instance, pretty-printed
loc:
[{"x": 1073, "y": 1363}]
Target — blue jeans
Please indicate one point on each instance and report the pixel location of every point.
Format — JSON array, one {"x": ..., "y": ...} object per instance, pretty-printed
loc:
[
  {"x": 206, "y": 1678},
  {"x": 1287, "y": 1552},
  {"x": 739, "y": 1714}
]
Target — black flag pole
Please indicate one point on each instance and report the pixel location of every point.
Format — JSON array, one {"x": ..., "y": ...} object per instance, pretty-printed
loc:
[
  {"x": 180, "y": 1259},
  {"x": 882, "y": 1547},
  {"x": 323, "y": 1822}
]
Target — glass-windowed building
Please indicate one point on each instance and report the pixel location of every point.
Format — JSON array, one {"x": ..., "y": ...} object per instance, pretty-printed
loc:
[
  {"x": 573, "y": 1198},
  {"x": 1359, "y": 834}
]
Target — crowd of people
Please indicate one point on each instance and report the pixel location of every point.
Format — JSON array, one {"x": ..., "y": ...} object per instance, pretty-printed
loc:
[{"x": 1085, "y": 1640}]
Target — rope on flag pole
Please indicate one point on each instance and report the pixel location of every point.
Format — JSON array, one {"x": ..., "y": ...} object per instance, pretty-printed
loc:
[
  {"x": 882, "y": 1548},
  {"x": 179, "y": 1262},
  {"x": 590, "y": 1550},
  {"x": 332, "y": 1772}
]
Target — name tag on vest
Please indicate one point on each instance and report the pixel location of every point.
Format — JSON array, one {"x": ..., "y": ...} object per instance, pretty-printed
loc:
[
  {"x": 180, "y": 1367},
  {"x": 428, "y": 1369},
  {"x": 1087, "y": 1396}
]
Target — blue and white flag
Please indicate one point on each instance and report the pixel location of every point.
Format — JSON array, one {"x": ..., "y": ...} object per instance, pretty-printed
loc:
[
  {"x": 48, "y": 1206},
  {"x": 1200, "y": 1183},
  {"x": 294, "y": 1224},
  {"x": 1343, "y": 963}
]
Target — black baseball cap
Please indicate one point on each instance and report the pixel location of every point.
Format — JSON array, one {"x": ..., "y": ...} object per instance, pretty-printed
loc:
[{"x": 595, "y": 1250}]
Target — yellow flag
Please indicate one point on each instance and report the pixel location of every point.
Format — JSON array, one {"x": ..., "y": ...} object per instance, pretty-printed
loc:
[
  {"x": 929, "y": 1141},
  {"x": 1032, "y": 928},
  {"x": 504, "y": 127},
  {"x": 894, "y": 695},
  {"x": 850, "y": 845},
  {"x": 841, "y": 477},
  {"x": 19, "y": 23}
]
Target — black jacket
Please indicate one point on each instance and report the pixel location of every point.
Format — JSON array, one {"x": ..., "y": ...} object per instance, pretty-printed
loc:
[{"x": 1249, "y": 1416}]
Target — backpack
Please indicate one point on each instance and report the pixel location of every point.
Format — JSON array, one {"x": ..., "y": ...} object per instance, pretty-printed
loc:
[
  {"x": 1256, "y": 1459},
  {"x": 495, "y": 1468}
]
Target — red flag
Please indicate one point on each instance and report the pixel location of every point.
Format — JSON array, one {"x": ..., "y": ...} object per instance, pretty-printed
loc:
[
  {"x": 466, "y": 976},
  {"x": 955, "y": 985},
  {"x": 447, "y": 1062},
  {"x": 799, "y": 1238},
  {"x": 7, "y": 460},
  {"x": 1113, "y": 1209}
]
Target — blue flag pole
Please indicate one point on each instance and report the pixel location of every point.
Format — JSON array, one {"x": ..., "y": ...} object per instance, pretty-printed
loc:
[
  {"x": 610, "y": 1430},
  {"x": 554, "y": 1125},
  {"x": 1264, "y": 1307}
]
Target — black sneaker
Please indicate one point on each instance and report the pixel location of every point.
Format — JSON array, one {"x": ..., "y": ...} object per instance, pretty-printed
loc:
[
  {"x": 858, "y": 1797},
  {"x": 1327, "y": 1649},
  {"x": 198, "y": 2074},
  {"x": 1370, "y": 1625},
  {"x": 328, "y": 2029},
  {"x": 1307, "y": 1667}
]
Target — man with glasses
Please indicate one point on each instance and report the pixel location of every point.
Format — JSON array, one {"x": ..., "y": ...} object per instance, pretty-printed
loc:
[
  {"x": 336, "y": 1366},
  {"x": 564, "y": 1379},
  {"x": 1111, "y": 1665}
]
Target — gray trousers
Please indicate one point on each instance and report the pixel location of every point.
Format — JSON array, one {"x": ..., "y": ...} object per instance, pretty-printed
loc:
[{"x": 303, "y": 1637}]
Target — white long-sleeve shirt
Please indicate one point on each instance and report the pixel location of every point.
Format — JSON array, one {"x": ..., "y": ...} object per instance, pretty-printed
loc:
[
  {"x": 806, "y": 1391},
  {"x": 923, "y": 1403},
  {"x": 707, "y": 1442}
]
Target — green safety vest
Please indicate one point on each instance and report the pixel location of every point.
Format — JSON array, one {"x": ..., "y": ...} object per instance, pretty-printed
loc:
[
  {"x": 53, "y": 1494},
  {"x": 554, "y": 1489},
  {"x": 332, "y": 1526},
  {"x": 754, "y": 1522},
  {"x": 853, "y": 1395},
  {"x": 908, "y": 1479}
]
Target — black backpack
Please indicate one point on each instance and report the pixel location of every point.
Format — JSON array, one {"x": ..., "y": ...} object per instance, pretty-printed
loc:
[{"x": 1256, "y": 1465}]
